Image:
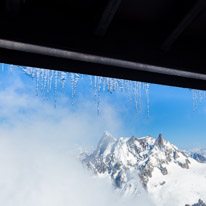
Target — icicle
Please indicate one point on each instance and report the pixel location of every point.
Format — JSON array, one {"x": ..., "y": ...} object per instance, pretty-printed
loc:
[
  {"x": 11, "y": 67},
  {"x": 45, "y": 83},
  {"x": 90, "y": 79},
  {"x": 126, "y": 86},
  {"x": 200, "y": 94},
  {"x": 76, "y": 80},
  {"x": 197, "y": 96},
  {"x": 136, "y": 98},
  {"x": 72, "y": 86},
  {"x": 129, "y": 90},
  {"x": 147, "y": 96},
  {"x": 33, "y": 73},
  {"x": 42, "y": 80},
  {"x": 2, "y": 67},
  {"x": 140, "y": 94},
  {"x": 193, "y": 100},
  {"x": 48, "y": 85},
  {"x": 115, "y": 85},
  {"x": 95, "y": 88},
  {"x": 99, "y": 82},
  {"x": 196, "y": 99},
  {"x": 121, "y": 84},
  {"x": 50, "y": 79},
  {"x": 110, "y": 85},
  {"x": 104, "y": 84},
  {"x": 63, "y": 79},
  {"x": 55, "y": 88},
  {"x": 37, "y": 82}
]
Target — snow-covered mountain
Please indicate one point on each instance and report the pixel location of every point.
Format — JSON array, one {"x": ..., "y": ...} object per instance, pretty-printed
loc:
[
  {"x": 197, "y": 153},
  {"x": 170, "y": 176}
]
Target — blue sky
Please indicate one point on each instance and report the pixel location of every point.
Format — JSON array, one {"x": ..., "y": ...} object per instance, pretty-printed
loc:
[{"x": 171, "y": 111}]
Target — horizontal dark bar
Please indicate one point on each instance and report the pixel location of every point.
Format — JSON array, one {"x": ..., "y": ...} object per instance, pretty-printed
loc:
[{"x": 77, "y": 56}]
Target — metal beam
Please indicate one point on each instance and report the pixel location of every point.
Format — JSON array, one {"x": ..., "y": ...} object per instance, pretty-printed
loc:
[
  {"x": 99, "y": 60},
  {"x": 107, "y": 16},
  {"x": 199, "y": 7}
]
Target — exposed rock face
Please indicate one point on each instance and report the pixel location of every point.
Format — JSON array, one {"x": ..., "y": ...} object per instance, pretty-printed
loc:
[
  {"x": 164, "y": 170},
  {"x": 123, "y": 160},
  {"x": 197, "y": 154},
  {"x": 159, "y": 141},
  {"x": 198, "y": 157},
  {"x": 175, "y": 155},
  {"x": 185, "y": 164},
  {"x": 200, "y": 203}
]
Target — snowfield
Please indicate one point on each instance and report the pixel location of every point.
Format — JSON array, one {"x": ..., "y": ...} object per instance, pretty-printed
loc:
[{"x": 182, "y": 186}]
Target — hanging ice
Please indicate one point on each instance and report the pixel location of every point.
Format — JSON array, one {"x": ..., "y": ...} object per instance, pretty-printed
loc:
[
  {"x": 74, "y": 81},
  {"x": 37, "y": 82},
  {"x": 45, "y": 79},
  {"x": 140, "y": 94},
  {"x": 99, "y": 83},
  {"x": 136, "y": 97},
  {"x": 95, "y": 88},
  {"x": 55, "y": 87},
  {"x": 193, "y": 100},
  {"x": 147, "y": 96},
  {"x": 11, "y": 67},
  {"x": 90, "y": 78},
  {"x": 63, "y": 79}
]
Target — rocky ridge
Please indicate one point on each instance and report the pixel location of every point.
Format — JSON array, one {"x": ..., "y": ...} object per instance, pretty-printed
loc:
[
  {"x": 123, "y": 159},
  {"x": 200, "y": 203}
]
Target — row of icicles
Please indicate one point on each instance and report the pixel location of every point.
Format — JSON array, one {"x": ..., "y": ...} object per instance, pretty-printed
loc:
[
  {"x": 44, "y": 80},
  {"x": 45, "y": 77},
  {"x": 197, "y": 96}
]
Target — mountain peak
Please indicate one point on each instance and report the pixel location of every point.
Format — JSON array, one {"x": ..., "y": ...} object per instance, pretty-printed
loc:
[
  {"x": 106, "y": 133},
  {"x": 106, "y": 140},
  {"x": 131, "y": 140},
  {"x": 107, "y": 137},
  {"x": 135, "y": 163},
  {"x": 115, "y": 157},
  {"x": 159, "y": 141}
]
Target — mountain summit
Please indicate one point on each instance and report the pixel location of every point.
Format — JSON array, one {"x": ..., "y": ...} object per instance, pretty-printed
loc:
[
  {"x": 159, "y": 141},
  {"x": 117, "y": 157},
  {"x": 154, "y": 165}
]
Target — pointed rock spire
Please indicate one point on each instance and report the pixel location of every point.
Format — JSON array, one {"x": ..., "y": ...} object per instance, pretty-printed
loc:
[{"x": 159, "y": 141}]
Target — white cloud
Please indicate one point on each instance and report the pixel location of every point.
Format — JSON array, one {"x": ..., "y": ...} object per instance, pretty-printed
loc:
[{"x": 41, "y": 175}]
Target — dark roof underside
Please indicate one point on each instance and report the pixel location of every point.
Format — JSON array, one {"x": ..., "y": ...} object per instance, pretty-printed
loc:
[{"x": 161, "y": 33}]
